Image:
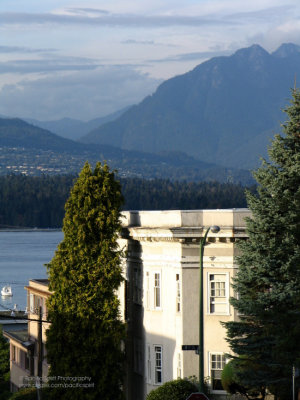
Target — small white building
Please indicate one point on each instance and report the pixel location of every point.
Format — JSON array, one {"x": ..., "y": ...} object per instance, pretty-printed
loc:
[
  {"x": 24, "y": 347},
  {"x": 160, "y": 297}
]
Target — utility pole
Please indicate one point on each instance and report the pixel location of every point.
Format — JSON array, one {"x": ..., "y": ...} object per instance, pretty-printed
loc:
[
  {"x": 214, "y": 229},
  {"x": 40, "y": 355}
]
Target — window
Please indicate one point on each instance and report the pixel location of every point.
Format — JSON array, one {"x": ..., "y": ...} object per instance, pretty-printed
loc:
[
  {"x": 178, "y": 365},
  {"x": 157, "y": 292},
  {"x": 218, "y": 294},
  {"x": 31, "y": 303},
  {"x": 217, "y": 363},
  {"x": 35, "y": 302},
  {"x": 178, "y": 294},
  {"x": 13, "y": 353},
  {"x": 24, "y": 360},
  {"x": 158, "y": 364}
]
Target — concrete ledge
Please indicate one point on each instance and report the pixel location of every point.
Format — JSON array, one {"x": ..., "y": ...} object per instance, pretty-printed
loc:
[{"x": 186, "y": 218}]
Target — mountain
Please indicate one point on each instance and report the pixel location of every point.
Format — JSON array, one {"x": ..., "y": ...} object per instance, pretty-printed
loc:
[
  {"x": 30, "y": 150},
  {"x": 224, "y": 111},
  {"x": 72, "y": 128},
  {"x": 15, "y": 132}
]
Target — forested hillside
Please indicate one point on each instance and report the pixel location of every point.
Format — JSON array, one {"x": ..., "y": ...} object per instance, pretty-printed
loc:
[
  {"x": 33, "y": 151},
  {"x": 39, "y": 201}
]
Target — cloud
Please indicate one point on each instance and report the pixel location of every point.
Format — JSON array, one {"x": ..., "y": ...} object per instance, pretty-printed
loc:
[
  {"x": 125, "y": 20},
  {"x": 100, "y": 17},
  {"x": 26, "y": 50},
  {"x": 264, "y": 14},
  {"x": 284, "y": 33},
  {"x": 193, "y": 56},
  {"x": 78, "y": 95},
  {"x": 37, "y": 66},
  {"x": 147, "y": 43},
  {"x": 47, "y": 65},
  {"x": 83, "y": 11},
  {"x": 133, "y": 41}
]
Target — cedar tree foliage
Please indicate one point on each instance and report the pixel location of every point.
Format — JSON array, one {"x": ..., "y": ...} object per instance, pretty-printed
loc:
[
  {"x": 86, "y": 333},
  {"x": 266, "y": 339}
]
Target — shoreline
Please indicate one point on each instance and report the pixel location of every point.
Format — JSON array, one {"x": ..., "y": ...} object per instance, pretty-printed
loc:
[{"x": 20, "y": 229}]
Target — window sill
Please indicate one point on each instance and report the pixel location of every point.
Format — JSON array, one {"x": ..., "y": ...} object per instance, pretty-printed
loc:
[{"x": 224, "y": 314}]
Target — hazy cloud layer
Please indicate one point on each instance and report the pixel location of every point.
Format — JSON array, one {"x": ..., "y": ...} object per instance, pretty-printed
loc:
[
  {"x": 41, "y": 66},
  {"x": 112, "y": 20},
  {"x": 193, "y": 56},
  {"x": 89, "y": 16},
  {"x": 23, "y": 50},
  {"x": 78, "y": 95},
  {"x": 85, "y": 59}
]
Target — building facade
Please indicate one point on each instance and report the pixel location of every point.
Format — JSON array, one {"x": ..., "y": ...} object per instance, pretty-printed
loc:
[
  {"x": 25, "y": 350},
  {"x": 160, "y": 297}
]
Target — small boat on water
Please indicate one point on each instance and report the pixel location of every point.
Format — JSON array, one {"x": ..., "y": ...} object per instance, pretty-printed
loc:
[{"x": 6, "y": 291}]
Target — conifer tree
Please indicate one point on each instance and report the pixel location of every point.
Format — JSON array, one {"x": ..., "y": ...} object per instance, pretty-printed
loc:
[
  {"x": 266, "y": 339},
  {"x": 86, "y": 333}
]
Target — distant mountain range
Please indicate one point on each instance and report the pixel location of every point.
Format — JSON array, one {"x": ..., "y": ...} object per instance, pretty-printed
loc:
[
  {"x": 72, "y": 128},
  {"x": 224, "y": 111},
  {"x": 31, "y": 150}
]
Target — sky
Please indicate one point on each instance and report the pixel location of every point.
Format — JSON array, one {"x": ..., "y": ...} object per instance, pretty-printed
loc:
[{"x": 87, "y": 59}]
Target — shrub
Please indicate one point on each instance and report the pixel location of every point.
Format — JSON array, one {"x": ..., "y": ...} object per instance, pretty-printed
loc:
[{"x": 178, "y": 389}]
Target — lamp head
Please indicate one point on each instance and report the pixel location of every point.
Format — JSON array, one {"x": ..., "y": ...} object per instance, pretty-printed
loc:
[{"x": 215, "y": 229}]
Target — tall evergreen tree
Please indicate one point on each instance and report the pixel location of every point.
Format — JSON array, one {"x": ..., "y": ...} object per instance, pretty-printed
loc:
[
  {"x": 266, "y": 339},
  {"x": 86, "y": 333}
]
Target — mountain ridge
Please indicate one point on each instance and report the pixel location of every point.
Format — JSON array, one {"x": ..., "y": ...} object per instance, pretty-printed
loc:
[
  {"x": 73, "y": 129},
  {"x": 28, "y": 149},
  {"x": 225, "y": 110}
]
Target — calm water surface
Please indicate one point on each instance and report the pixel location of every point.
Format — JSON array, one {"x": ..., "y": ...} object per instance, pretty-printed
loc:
[{"x": 22, "y": 257}]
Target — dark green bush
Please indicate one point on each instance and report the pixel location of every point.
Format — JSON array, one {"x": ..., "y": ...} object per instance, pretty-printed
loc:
[
  {"x": 178, "y": 389},
  {"x": 24, "y": 394}
]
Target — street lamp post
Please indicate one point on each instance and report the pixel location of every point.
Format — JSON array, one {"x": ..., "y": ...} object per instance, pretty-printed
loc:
[{"x": 214, "y": 229}]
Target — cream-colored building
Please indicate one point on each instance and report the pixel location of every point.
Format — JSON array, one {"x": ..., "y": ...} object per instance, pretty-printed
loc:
[
  {"x": 24, "y": 346},
  {"x": 160, "y": 298}
]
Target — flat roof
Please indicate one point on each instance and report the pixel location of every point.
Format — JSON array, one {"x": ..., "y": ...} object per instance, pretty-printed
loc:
[
  {"x": 20, "y": 336},
  {"x": 227, "y": 218},
  {"x": 44, "y": 282}
]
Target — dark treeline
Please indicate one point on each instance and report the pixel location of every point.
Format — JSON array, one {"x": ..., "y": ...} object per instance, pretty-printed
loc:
[
  {"x": 39, "y": 201},
  {"x": 33, "y": 201},
  {"x": 163, "y": 194}
]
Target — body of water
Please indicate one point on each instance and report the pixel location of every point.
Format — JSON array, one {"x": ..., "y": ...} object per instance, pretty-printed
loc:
[{"x": 22, "y": 257}]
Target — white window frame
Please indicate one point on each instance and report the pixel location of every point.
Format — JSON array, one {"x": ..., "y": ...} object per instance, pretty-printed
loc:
[
  {"x": 157, "y": 289},
  {"x": 210, "y": 355},
  {"x": 147, "y": 290},
  {"x": 31, "y": 302},
  {"x": 226, "y": 297},
  {"x": 179, "y": 365},
  {"x": 158, "y": 364}
]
